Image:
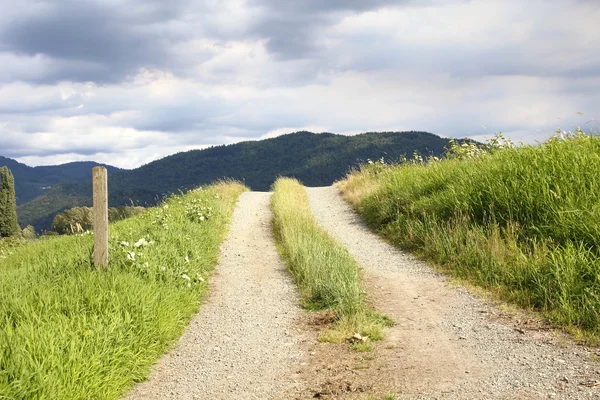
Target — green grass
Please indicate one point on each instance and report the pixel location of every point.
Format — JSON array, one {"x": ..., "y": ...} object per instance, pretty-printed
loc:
[
  {"x": 327, "y": 275},
  {"x": 523, "y": 222},
  {"x": 69, "y": 331}
]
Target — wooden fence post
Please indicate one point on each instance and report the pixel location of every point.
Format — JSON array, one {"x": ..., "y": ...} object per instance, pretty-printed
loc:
[{"x": 100, "y": 194}]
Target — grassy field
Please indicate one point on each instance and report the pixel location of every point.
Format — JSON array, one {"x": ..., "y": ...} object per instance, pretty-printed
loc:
[
  {"x": 326, "y": 274},
  {"x": 68, "y": 331},
  {"x": 523, "y": 222}
]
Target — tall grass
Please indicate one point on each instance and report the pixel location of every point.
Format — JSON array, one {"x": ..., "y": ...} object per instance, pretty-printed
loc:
[
  {"x": 69, "y": 331},
  {"x": 327, "y": 275},
  {"x": 524, "y": 222}
]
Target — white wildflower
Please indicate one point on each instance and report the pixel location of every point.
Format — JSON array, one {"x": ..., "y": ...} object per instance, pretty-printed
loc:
[{"x": 141, "y": 242}]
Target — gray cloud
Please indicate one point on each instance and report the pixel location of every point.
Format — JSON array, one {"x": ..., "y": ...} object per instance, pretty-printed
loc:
[
  {"x": 173, "y": 75},
  {"x": 107, "y": 42},
  {"x": 93, "y": 40},
  {"x": 292, "y": 28}
]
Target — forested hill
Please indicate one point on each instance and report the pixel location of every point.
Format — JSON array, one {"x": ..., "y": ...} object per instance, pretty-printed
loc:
[
  {"x": 314, "y": 159},
  {"x": 31, "y": 182}
]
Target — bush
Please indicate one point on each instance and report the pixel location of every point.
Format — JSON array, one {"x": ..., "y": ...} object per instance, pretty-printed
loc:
[
  {"x": 29, "y": 232},
  {"x": 9, "y": 225},
  {"x": 81, "y": 219}
]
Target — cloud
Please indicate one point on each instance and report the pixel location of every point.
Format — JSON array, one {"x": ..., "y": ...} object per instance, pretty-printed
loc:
[
  {"x": 293, "y": 29},
  {"x": 122, "y": 81},
  {"x": 97, "y": 40}
]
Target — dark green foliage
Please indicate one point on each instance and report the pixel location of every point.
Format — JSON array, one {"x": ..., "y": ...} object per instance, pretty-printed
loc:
[
  {"x": 40, "y": 211},
  {"x": 74, "y": 220},
  {"x": 81, "y": 219},
  {"x": 315, "y": 159},
  {"x": 31, "y": 182},
  {"x": 9, "y": 225}
]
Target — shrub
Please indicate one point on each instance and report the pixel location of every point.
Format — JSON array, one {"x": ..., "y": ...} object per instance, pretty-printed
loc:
[
  {"x": 9, "y": 225},
  {"x": 29, "y": 232},
  {"x": 81, "y": 219}
]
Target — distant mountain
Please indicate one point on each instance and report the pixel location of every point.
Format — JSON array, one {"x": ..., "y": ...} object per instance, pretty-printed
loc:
[
  {"x": 314, "y": 159},
  {"x": 31, "y": 182}
]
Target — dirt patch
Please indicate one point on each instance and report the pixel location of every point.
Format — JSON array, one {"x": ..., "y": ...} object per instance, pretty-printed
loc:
[
  {"x": 325, "y": 318},
  {"x": 335, "y": 371}
]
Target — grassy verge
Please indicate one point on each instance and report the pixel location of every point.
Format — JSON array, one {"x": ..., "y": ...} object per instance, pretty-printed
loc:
[
  {"x": 327, "y": 275},
  {"x": 68, "y": 331},
  {"x": 523, "y": 222}
]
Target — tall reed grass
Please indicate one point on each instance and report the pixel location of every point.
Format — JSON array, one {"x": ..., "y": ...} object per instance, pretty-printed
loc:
[{"x": 522, "y": 221}]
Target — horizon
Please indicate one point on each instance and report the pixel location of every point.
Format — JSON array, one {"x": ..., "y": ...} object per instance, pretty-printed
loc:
[{"x": 480, "y": 140}]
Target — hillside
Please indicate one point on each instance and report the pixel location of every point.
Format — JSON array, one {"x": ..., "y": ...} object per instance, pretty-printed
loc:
[
  {"x": 522, "y": 221},
  {"x": 31, "y": 182},
  {"x": 70, "y": 332},
  {"x": 314, "y": 159}
]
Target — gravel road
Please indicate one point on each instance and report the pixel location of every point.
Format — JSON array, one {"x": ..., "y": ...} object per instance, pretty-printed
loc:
[
  {"x": 246, "y": 341},
  {"x": 447, "y": 344}
]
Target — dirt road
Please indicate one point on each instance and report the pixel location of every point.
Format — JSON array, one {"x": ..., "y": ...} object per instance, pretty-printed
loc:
[
  {"x": 246, "y": 341},
  {"x": 251, "y": 340}
]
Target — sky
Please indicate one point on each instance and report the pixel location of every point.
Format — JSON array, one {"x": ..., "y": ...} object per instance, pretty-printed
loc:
[{"x": 125, "y": 82}]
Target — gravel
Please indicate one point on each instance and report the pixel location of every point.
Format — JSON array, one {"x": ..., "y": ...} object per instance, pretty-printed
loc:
[
  {"x": 246, "y": 341},
  {"x": 447, "y": 343}
]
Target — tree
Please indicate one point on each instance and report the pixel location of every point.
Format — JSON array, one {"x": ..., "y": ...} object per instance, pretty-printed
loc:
[
  {"x": 29, "y": 232},
  {"x": 9, "y": 225},
  {"x": 74, "y": 220},
  {"x": 81, "y": 219}
]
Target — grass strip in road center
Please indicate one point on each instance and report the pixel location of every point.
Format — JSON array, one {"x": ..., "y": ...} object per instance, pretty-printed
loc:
[{"x": 326, "y": 274}]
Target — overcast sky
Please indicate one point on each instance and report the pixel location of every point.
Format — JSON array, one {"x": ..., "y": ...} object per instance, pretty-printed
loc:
[{"x": 127, "y": 81}]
